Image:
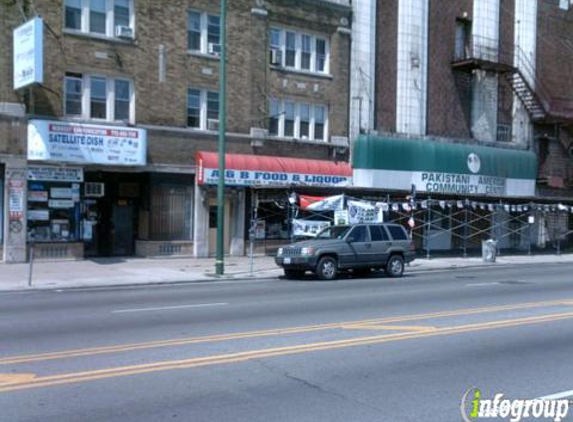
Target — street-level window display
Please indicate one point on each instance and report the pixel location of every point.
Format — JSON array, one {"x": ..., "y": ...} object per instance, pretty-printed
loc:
[{"x": 54, "y": 204}]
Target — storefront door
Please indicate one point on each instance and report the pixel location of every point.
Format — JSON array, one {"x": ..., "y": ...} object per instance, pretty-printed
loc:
[
  {"x": 122, "y": 219},
  {"x": 213, "y": 227}
]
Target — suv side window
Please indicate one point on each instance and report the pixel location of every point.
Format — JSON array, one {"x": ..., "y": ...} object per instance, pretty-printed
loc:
[
  {"x": 358, "y": 234},
  {"x": 397, "y": 232},
  {"x": 378, "y": 234}
]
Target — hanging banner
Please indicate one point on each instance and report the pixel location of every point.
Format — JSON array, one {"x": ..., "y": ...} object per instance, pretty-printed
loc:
[
  {"x": 321, "y": 203},
  {"x": 364, "y": 212},
  {"x": 308, "y": 227},
  {"x": 341, "y": 217}
]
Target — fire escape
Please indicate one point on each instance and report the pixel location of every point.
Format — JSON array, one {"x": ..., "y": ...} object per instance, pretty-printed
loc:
[
  {"x": 482, "y": 53},
  {"x": 515, "y": 66}
]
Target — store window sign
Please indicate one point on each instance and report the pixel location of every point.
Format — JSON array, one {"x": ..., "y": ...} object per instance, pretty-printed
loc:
[
  {"x": 461, "y": 184},
  {"x": 37, "y": 196},
  {"x": 55, "y": 174},
  {"x": 38, "y": 215},
  {"x": 268, "y": 178},
  {"x": 82, "y": 143},
  {"x": 28, "y": 53},
  {"x": 61, "y": 193},
  {"x": 61, "y": 203}
]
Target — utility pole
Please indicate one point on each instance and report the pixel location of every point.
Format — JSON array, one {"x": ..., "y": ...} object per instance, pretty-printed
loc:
[{"x": 219, "y": 260}]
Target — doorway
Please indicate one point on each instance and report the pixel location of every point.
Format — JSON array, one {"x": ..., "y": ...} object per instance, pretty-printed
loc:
[{"x": 213, "y": 227}]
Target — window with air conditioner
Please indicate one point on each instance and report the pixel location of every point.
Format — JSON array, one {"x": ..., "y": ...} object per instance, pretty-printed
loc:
[
  {"x": 102, "y": 18},
  {"x": 94, "y": 190},
  {"x": 299, "y": 51},
  {"x": 202, "y": 109},
  {"x": 203, "y": 33},
  {"x": 97, "y": 97},
  {"x": 290, "y": 119}
]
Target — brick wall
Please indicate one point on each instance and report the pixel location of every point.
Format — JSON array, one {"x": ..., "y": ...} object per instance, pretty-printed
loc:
[
  {"x": 448, "y": 91},
  {"x": 386, "y": 65},
  {"x": 250, "y": 80}
]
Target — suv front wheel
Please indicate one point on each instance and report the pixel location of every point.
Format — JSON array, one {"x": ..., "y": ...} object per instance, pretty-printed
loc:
[
  {"x": 326, "y": 269},
  {"x": 395, "y": 266}
]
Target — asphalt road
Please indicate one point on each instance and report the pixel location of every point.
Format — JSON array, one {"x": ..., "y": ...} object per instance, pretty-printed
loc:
[{"x": 373, "y": 349}]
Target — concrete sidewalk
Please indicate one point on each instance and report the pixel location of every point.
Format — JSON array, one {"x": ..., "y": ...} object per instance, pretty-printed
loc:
[{"x": 133, "y": 271}]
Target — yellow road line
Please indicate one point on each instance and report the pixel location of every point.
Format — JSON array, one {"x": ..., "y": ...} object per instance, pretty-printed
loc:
[
  {"x": 273, "y": 332},
  {"x": 53, "y": 380}
]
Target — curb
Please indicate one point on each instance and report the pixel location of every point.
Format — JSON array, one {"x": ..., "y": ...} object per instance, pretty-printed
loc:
[{"x": 245, "y": 277}]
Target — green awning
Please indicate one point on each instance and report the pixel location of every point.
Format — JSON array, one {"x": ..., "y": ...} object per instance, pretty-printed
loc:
[
  {"x": 461, "y": 169},
  {"x": 373, "y": 152}
]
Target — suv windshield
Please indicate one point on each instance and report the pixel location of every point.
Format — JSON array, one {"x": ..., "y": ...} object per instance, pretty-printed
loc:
[{"x": 335, "y": 232}]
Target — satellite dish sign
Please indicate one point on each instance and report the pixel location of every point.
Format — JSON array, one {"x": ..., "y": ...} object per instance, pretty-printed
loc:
[{"x": 29, "y": 53}]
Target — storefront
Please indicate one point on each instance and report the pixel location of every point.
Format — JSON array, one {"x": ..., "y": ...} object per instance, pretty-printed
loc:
[
  {"x": 257, "y": 192},
  {"x": 452, "y": 196},
  {"x": 84, "y": 185}
]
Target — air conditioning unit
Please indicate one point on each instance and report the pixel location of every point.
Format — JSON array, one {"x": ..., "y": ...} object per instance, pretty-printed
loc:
[
  {"x": 339, "y": 141},
  {"x": 276, "y": 57},
  {"x": 124, "y": 32},
  {"x": 213, "y": 48},
  {"x": 213, "y": 124},
  {"x": 93, "y": 190}
]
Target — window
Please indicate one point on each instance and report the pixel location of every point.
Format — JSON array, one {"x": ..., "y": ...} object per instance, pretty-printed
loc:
[
  {"x": 290, "y": 48},
  {"x": 194, "y": 31},
  {"x": 203, "y": 33},
  {"x": 213, "y": 30},
  {"x": 274, "y": 117},
  {"x": 319, "y": 121},
  {"x": 300, "y": 51},
  {"x": 170, "y": 213},
  {"x": 98, "y": 17},
  {"x": 212, "y": 105},
  {"x": 194, "y": 108},
  {"x": 304, "y": 113},
  {"x": 122, "y": 100},
  {"x": 320, "y": 54},
  {"x": 73, "y": 95},
  {"x": 289, "y": 119},
  {"x": 202, "y": 107},
  {"x": 98, "y": 97},
  {"x": 297, "y": 120},
  {"x": 121, "y": 13},
  {"x": 358, "y": 234},
  {"x": 305, "y": 52},
  {"x": 377, "y": 233},
  {"x": 397, "y": 233},
  {"x": 73, "y": 14}
]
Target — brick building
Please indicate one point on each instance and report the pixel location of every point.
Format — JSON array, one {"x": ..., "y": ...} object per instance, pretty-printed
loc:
[
  {"x": 473, "y": 88},
  {"x": 145, "y": 74}
]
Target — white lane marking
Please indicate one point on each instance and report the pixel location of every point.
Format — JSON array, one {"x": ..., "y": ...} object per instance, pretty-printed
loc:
[
  {"x": 558, "y": 396},
  {"x": 168, "y": 308},
  {"x": 495, "y": 283}
]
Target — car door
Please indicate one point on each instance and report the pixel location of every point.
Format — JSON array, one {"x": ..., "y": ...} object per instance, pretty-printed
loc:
[
  {"x": 359, "y": 242},
  {"x": 380, "y": 244}
]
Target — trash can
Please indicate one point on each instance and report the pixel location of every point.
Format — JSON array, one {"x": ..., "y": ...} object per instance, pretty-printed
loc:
[{"x": 489, "y": 250}]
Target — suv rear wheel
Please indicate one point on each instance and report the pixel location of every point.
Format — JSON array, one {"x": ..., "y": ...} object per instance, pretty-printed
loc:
[
  {"x": 294, "y": 274},
  {"x": 395, "y": 266},
  {"x": 326, "y": 269}
]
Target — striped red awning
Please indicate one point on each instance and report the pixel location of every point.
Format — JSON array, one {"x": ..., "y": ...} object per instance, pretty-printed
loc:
[{"x": 259, "y": 166}]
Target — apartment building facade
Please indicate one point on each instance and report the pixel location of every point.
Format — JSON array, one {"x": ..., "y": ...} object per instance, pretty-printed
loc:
[
  {"x": 112, "y": 154},
  {"x": 472, "y": 110}
]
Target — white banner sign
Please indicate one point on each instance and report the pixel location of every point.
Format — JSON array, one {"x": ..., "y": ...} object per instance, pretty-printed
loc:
[
  {"x": 81, "y": 143},
  {"x": 269, "y": 178},
  {"x": 365, "y": 212},
  {"x": 55, "y": 174},
  {"x": 28, "y": 53},
  {"x": 39, "y": 215},
  {"x": 308, "y": 227}
]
